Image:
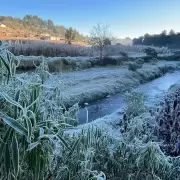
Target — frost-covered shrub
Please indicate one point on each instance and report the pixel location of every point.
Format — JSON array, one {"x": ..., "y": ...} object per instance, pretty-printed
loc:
[
  {"x": 169, "y": 125},
  {"x": 56, "y": 65},
  {"x": 142, "y": 153},
  {"x": 137, "y": 64},
  {"x": 150, "y": 52},
  {"x": 135, "y": 103},
  {"x": 48, "y": 49},
  {"x": 124, "y": 54},
  {"x": 154, "y": 61},
  {"x": 139, "y": 61},
  {"x": 109, "y": 61},
  {"x": 133, "y": 66}
]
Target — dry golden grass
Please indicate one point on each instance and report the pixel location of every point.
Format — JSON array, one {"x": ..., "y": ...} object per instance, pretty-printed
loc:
[{"x": 11, "y": 34}]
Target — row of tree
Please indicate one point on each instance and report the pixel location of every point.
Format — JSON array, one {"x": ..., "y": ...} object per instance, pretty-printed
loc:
[{"x": 171, "y": 39}]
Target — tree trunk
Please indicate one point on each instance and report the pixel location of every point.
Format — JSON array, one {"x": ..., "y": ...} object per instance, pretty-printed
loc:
[{"x": 101, "y": 55}]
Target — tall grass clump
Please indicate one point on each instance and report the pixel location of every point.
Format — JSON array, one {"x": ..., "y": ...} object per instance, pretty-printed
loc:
[
  {"x": 137, "y": 64},
  {"x": 169, "y": 125},
  {"x": 50, "y": 49},
  {"x": 30, "y": 127}
]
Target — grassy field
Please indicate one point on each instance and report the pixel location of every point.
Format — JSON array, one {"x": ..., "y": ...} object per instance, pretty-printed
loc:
[{"x": 96, "y": 83}]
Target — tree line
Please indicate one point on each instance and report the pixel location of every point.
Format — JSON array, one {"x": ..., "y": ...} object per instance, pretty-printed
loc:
[{"x": 171, "y": 39}]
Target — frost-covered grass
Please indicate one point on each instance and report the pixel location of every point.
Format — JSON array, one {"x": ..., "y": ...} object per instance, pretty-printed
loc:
[
  {"x": 57, "y": 64},
  {"x": 133, "y": 50},
  {"x": 49, "y": 49},
  {"x": 138, "y": 154},
  {"x": 97, "y": 83},
  {"x": 83, "y": 57},
  {"x": 34, "y": 143}
]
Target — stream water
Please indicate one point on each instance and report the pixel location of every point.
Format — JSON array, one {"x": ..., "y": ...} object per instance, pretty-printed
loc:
[{"x": 112, "y": 103}]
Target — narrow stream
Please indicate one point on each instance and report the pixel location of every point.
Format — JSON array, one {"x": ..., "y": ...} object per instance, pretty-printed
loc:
[{"x": 113, "y": 103}]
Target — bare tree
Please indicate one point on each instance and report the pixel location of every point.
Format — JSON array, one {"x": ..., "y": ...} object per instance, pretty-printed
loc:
[{"x": 100, "y": 36}]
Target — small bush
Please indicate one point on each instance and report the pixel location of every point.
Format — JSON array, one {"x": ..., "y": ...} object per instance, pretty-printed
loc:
[
  {"x": 147, "y": 59},
  {"x": 169, "y": 125},
  {"x": 134, "y": 66},
  {"x": 154, "y": 61},
  {"x": 135, "y": 103},
  {"x": 139, "y": 61},
  {"x": 109, "y": 61},
  {"x": 150, "y": 52},
  {"x": 124, "y": 54},
  {"x": 56, "y": 65}
]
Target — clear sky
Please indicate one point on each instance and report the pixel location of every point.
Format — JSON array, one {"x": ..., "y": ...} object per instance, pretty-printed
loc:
[{"x": 127, "y": 18}]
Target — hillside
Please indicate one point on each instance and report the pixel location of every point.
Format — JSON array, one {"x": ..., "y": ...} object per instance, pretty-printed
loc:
[{"x": 33, "y": 28}]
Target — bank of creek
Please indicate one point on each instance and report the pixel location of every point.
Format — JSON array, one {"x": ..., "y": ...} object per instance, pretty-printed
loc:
[
  {"x": 103, "y": 88},
  {"x": 116, "y": 102}
]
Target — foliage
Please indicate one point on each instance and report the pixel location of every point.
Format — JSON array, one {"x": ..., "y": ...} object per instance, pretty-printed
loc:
[
  {"x": 107, "y": 42},
  {"x": 169, "y": 124},
  {"x": 8, "y": 64},
  {"x": 135, "y": 103},
  {"x": 100, "y": 36},
  {"x": 134, "y": 66},
  {"x": 151, "y": 52},
  {"x": 144, "y": 158},
  {"x": 139, "y": 61},
  {"x": 85, "y": 162},
  {"x": 154, "y": 61},
  {"x": 38, "y": 139},
  {"x": 124, "y": 54},
  {"x": 69, "y": 35},
  {"x": 30, "y": 128},
  {"x": 47, "y": 49},
  {"x": 73, "y": 35},
  {"x": 163, "y": 39}
]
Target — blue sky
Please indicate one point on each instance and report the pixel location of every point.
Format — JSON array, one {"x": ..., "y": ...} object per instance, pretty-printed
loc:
[{"x": 127, "y": 18}]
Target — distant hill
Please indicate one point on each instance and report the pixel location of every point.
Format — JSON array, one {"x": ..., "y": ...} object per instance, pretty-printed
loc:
[{"x": 33, "y": 27}]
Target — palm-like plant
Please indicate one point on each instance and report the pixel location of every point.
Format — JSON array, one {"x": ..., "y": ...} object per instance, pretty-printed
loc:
[{"x": 28, "y": 137}]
